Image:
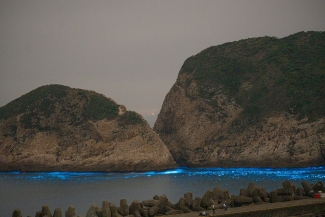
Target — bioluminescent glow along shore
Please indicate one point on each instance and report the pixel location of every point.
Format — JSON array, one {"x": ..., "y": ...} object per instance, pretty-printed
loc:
[
  {"x": 309, "y": 173},
  {"x": 82, "y": 189}
]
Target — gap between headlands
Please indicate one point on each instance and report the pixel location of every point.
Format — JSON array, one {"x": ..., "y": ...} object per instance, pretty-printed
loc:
[{"x": 256, "y": 102}]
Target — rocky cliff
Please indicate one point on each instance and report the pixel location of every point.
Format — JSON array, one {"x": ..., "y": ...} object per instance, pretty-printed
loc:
[
  {"x": 257, "y": 102},
  {"x": 57, "y": 128}
]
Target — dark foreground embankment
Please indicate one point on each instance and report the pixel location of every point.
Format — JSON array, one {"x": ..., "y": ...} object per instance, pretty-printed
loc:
[
  {"x": 307, "y": 207},
  {"x": 252, "y": 201}
]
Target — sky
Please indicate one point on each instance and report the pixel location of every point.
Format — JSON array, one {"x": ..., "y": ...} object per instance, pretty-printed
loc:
[{"x": 130, "y": 51}]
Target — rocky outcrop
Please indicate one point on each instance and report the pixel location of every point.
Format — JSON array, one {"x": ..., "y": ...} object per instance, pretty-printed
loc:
[
  {"x": 256, "y": 102},
  {"x": 160, "y": 205},
  {"x": 57, "y": 128},
  {"x": 16, "y": 213},
  {"x": 71, "y": 212}
]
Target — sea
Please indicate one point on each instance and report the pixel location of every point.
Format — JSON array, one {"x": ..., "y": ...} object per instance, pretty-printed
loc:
[{"x": 30, "y": 191}]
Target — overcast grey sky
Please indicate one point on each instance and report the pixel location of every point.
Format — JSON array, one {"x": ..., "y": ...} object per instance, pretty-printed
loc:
[{"x": 130, "y": 51}]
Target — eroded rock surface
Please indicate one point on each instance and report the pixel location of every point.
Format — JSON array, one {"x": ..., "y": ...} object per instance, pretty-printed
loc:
[
  {"x": 59, "y": 128},
  {"x": 249, "y": 103}
]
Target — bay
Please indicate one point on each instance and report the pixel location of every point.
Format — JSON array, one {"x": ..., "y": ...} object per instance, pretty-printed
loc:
[{"x": 29, "y": 191}]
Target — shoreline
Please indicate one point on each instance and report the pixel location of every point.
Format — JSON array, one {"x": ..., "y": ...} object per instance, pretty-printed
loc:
[
  {"x": 161, "y": 171},
  {"x": 215, "y": 202}
]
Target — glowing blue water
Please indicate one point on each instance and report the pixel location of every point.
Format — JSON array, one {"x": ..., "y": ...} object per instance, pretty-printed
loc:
[{"x": 29, "y": 191}]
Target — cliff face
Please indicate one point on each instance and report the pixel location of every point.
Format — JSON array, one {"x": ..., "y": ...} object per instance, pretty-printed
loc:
[
  {"x": 57, "y": 128},
  {"x": 257, "y": 102}
]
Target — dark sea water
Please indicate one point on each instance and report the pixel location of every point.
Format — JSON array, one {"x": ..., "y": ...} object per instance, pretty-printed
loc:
[{"x": 29, "y": 191}]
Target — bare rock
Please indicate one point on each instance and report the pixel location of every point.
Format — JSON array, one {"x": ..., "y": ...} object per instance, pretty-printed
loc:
[
  {"x": 124, "y": 208},
  {"x": 282, "y": 191},
  {"x": 205, "y": 122},
  {"x": 46, "y": 211},
  {"x": 207, "y": 200},
  {"x": 306, "y": 187},
  {"x": 188, "y": 199},
  {"x": 241, "y": 200},
  {"x": 99, "y": 211},
  {"x": 16, "y": 213},
  {"x": 243, "y": 192},
  {"x": 318, "y": 187},
  {"x": 57, "y": 137},
  {"x": 323, "y": 187},
  {"x": 145, "y": 213},
  {"x": 150, "y": 203},
  {"x": 153, "y": 211},
  {"x": 263, "y": 193},
  {"x": 71, "y": 212},
  {"x": 228, "y": 202},
  {"x": 106, "y": 210},
  {"x": 135, "y": 208},
  {"x": 92, "y": 211},
  {"x": 38, "y": 214},
  {"x": 252, "y": 190},
  {"x": 218, "y": 194},
  {"x": 273, "y": 195},
  {"x": 226, "y": 195},
  {"x": 257, "y": 200},
  {"x": 114, "y": 212},
  {"x": 58, "y": 213},
  {"x": 136, "y": 213},
  {"x": 300, "y": 192},
  {"x": 163, "y": 204},
  {"x": 289, "y": 188},
  {"x": 196, "y": 205},
  {"x": 181, "y": 205}
]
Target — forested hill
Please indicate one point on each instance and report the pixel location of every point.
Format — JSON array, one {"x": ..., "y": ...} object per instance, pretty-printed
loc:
[
  {"x": 56, "y": 127},
  {"x": 253, "y": 102},
  {"x": 284, "y": 74}
]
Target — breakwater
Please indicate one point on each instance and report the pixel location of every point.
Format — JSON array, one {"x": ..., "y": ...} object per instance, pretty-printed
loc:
[
  {"x": 212, "y": 200},
  {"x": 61, "y": 189}
]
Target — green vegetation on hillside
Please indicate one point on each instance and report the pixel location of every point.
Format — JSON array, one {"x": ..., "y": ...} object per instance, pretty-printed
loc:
[
  {"x": 99, "y": 107},
  {"x": 51, "y": 102},
  {"x": 266, "y": 74},
  {"x": 129, "y": 118},
  {"x": 39, "y": 99}
]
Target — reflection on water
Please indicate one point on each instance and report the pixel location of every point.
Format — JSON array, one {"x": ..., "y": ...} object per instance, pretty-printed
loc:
[{"x": 29, "y": 191}]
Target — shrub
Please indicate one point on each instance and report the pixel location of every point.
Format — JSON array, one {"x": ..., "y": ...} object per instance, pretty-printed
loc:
[
  {"x": 100, "y": 107},
  {"x": 129, "y": 118}
]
